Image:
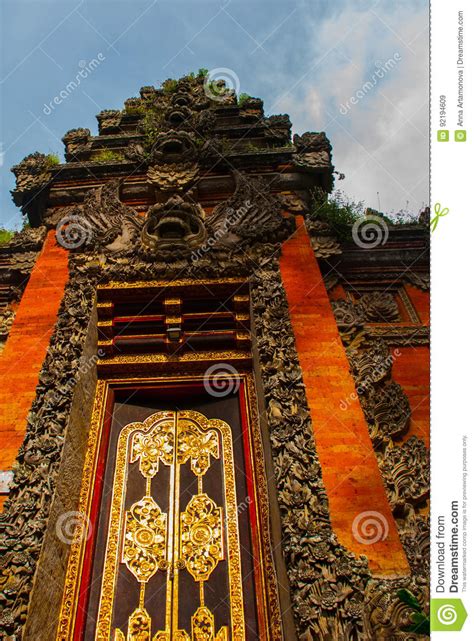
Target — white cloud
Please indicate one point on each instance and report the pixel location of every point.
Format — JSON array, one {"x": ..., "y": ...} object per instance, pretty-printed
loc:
[{"x": 381, "y": 144}]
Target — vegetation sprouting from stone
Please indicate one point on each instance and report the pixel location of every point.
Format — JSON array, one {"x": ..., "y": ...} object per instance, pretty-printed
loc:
[
  {"x": 108, "y": 155},
  {"x": 52, "y": 160},
  {"x": 340, "y": 212},
  {"x": 243, "y": 99},
  {"x": 5, "y": 236}
]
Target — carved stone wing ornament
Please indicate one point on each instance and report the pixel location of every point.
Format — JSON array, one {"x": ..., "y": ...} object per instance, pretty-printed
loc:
[
  {"x": 252, "y": 214},
  {"x": 102, "y": 223}
]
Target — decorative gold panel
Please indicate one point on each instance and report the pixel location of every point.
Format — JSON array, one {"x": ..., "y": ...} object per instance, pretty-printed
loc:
[
  {"x": 154, "y": 447},
  {"x": 193, "y": 540},
  {"x": 201, "y": 537},
  {"x": 144, "y": 541},
  {"x": 197, "y": 445}
]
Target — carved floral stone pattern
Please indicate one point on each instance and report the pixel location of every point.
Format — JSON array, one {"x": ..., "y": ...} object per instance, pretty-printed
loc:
[{"x": 379, "y": 307}]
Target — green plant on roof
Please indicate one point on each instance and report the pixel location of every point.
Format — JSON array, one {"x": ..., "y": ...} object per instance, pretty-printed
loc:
[
  {"x": 52, "y": 160},
  {"x": 169, "y": 86},
  {"x": 151, "y": 125},
  {"x": 107, "y": 155},
  {"x": 134, "y": 110},
  {"x": 5, "y": 235},
  {"x": 243, "y": 99},
  {"x": 339, "y": 212}
]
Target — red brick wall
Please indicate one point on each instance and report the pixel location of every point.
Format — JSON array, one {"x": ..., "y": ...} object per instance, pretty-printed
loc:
[
  {"x": 25, "y": 349},
  {"x": 412, "y": 370},
  {"x": 350, "y": 471}
]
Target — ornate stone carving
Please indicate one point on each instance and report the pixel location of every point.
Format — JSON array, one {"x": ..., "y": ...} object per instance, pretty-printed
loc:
[
  {"x": 323, "y": 240},
  {"x": 30, "y": 239},
  {"x": 404, "y": 488},
  {"x": 109, "y": 121},
  {"x": 387, "y": 411},
  {"x": 313, "y": 151},
  {"x": 371, "y": 365},
  {"x": 379, "y": 307},
  {"x": 293, "y": 203},
  {"x": 32, "y": 175},
  {"x": 420, "y": 280},
  {"x": 172, "y": 177},
  {"x": 176, "y": 226},
  {"x": 347, "y": 315},
  {"x": 251, "y": 215},
  {"x": 76, "y": 143},
  {"x": 102, "y": 223},
  {"x": 7, "y": 316},
  {"x": 169, "y": 147},
  {"x": 23, "y": 521}
]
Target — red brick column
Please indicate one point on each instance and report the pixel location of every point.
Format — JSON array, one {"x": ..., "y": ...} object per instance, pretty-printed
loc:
[
  {"x": 350, "y": 471},
  {"x": 26, "y": 345}
]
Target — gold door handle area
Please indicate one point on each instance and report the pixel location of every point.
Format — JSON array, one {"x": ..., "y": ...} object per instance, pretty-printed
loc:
[{"x": 193, "y": 539}]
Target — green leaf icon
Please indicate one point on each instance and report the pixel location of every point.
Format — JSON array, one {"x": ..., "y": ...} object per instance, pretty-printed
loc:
[{"x": 447, "y": 615}]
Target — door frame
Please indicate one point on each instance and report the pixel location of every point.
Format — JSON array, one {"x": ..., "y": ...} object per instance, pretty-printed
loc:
[{"x": 76, "y": 588}]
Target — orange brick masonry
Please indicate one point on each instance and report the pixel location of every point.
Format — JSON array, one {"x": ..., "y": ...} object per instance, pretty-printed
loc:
[
  {"x": 350, "y": 471},
  {"x": 25, "y": 349}
]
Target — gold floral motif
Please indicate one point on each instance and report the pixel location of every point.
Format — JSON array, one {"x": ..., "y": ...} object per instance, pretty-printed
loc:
[
  {"x": 197, "y": 445},
  {"x": 153, "y": 446},
  {"x": 144, "y": 541},
  {"x": 139, "y": 627},
  {"x": 201, "y": 537},
  {"x": 204, "y": 628}
]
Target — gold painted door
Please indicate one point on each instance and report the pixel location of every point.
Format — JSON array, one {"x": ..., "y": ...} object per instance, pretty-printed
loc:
[{"x": 176, "y": 534}]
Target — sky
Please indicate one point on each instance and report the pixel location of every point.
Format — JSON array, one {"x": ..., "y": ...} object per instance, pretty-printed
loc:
[{"x": 356, "y": 69}]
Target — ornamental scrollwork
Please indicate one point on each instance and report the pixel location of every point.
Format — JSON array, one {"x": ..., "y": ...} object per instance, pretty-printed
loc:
[{"x": 145, "y": 538}]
